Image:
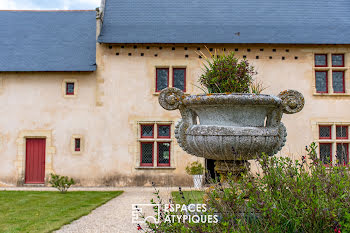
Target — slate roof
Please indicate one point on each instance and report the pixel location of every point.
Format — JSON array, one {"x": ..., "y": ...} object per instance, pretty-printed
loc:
[
  {"x": 47, "y": 40},
  {"x": 227, "y": 21}
]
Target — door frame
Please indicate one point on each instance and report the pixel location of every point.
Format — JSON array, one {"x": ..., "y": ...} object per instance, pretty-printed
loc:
[{"x": 50, "y": 150}]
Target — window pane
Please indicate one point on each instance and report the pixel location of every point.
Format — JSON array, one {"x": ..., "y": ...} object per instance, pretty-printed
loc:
[
  {"x": 146, "y": 153},
  {"x": 325, "y": 132},
  {"x": 338, "y": 81},
  {"x": 164, "y": 153},
  {"x": 179, "y": 78},
  {"x": 147, "y": 131},
  {"x": 342, "y": 153},
  {"x": 162, "y": 79},
  {"x": 321, "y": 81},
  {"x": 164, "y": 131},
  {"x": 337, "y": 60},
  {"x": 70, "y": 88},
  {"x": 342, "y": 131},
  {"x": 325, "y": 153},
  {"x": 320, "y": 60}
]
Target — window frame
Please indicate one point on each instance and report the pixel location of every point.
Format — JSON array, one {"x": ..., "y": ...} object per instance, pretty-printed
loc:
[
  {"x": 70, "y": 93},
  {"x": 185, "y": 71},
  {"x": 161, "y": 68},
  {"x": 338, "y": 71},
  {"x": 337, "y": 54},
  {"x": 331, "y": 152},
  {"x": 347, "y": 152},
  {"x": 330, "y": 132},
  {"x": 322, "y": 71},
  {"x": 141, "y": 131},
  {"x": 146, "y": 164},
  {"x": 163, "y": 136},
  {"x": 347, "y": 132},
  {"x": 163, "y": 164},
  {"x": 319, "y": 54},
  {"x": 77, "y": 149}
]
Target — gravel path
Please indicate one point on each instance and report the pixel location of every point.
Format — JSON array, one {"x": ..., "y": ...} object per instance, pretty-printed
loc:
[{"x": 116, "y": 215}]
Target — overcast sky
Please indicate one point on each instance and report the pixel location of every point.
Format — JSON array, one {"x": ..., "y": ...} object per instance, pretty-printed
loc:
[{"x": 49, "y": 4}]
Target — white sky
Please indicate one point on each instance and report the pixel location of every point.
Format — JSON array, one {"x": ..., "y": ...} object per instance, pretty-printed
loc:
[{"x": 49, "y": 4}]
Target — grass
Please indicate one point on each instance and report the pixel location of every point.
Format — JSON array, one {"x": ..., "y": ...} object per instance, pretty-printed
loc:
[
  {"x": 191, "y": 197},
  {"x": 22, "y": 211}
]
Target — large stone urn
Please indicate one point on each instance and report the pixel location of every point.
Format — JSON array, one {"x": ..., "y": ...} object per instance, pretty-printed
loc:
[{"x": 231, "y": 128}]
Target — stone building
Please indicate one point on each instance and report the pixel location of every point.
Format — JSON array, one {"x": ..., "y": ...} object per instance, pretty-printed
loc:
[{"x": 79, "y": 89}]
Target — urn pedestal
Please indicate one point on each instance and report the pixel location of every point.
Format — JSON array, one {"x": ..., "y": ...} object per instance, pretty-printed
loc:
[{"x": 231, "y": 128}]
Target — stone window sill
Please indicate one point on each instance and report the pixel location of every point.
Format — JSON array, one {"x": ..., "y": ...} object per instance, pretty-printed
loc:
[
  {"x": 155, "y": 168},
  {"x": 157, "y": 93},
  {"x": 331, "y": 94}
]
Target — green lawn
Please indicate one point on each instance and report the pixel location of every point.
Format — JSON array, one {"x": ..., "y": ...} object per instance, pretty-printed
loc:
[
  {"x": 22, "y": 211},
  {"x": 193, "y": 197}
]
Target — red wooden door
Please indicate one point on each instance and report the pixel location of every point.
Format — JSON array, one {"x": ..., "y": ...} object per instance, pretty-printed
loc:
[{"x": 35, "y": 160}]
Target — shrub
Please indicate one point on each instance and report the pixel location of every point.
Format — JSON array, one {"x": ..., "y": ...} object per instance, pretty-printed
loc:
[
  {"x": 62, "y": 183},
  {"x": 195, "y": 168},
  {"x": 226, "y": 74},
  {"x": 288, "y": 196}
]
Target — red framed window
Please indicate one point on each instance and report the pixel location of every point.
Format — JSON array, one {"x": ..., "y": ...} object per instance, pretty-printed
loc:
[
  {"x": 77, "y": 142},
  {"x": 338, "y": 60},
  {"x": 163, "y": 154},
  {"x": 147, "y": 131},
  {"x": 321, "y": 60},
  {"x": 342, "y": 153},
  {"x": 163, "y": 131},
  {"x": 325, "y": 132},
  {"x": 326, "y": 153},
  {"x": 342, "y": 132},
  {"x": 162, "y": 78},
  {"x": 146, "y": 154},
  {"x": 69, "y": 88},
  {"x": 179, "y": 78},
  {"x": 338, "y": 81},
  {"x": 321, "y": 81}
]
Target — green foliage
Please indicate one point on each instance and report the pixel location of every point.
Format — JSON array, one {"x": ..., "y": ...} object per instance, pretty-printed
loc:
[
  {"x": 195, "y": 168},
  {"x": 226, "y": 74},
  {"x": 46, "y": 211},
  {"x": 62, "y": 183},
  {"x": 286, "y": 196}
]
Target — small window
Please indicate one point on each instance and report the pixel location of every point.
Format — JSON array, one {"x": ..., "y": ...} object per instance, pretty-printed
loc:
[
  {"x": 321, "y": 81},
  {"x": 147, "y": 131},
  {"x": 146, "y": 154},
  {"x": 320, "y": 60},
  {"x": 342, "y": 153},
  {"x": 163, "y": 153},
  {"x": 325, "y": 132},
  {"x": 162, "y": 78},
  {"x": 342, "y": 132},
  {"x": 179, "y": 78},
  {"x": 69, "y": 88},
  {"x": 338, "y": 81},
  {"x": 163, "y": 131},
  {"x": 326, "y": 153},
  {"x": 337, "y": 60},
  {"x": 77, "y": 144}
]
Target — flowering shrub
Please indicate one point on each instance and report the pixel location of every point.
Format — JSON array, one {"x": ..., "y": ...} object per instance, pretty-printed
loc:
[
  {"x": 62, "y": 183},
  {"x": 195, "y": 168},
  {"x": 226, "y": 74},
  {"x": 287, "y": 196}
]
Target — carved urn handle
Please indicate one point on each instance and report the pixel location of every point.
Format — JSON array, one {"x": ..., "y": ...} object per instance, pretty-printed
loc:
[
  {"x": 292, "y": 101},
  {"x": 171, "y": 98}
]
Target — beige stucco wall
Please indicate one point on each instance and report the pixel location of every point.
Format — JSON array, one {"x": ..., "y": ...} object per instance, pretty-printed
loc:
[{"x": 112, "y": 101}]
